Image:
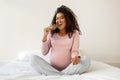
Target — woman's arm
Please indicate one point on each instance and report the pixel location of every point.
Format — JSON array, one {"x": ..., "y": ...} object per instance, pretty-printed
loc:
[
  {"x": 75, "y": 48},
  {"x": 46, "y": 42}
]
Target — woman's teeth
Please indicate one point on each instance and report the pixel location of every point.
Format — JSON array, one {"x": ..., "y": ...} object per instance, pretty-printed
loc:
[{"x": 60, "y": 24}]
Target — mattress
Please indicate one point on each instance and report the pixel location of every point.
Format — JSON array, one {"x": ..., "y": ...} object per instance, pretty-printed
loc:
[{"x": 21, "y": 70}]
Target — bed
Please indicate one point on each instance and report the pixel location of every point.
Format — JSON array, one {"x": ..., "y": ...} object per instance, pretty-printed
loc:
[{"x": 20, "y": 69}]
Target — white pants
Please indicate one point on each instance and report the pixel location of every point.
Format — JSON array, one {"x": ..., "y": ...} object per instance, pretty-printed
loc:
[{"x": 43, "y": 67}]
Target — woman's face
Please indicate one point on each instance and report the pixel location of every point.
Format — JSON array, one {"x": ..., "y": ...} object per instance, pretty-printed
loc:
[{"x": 61, "y": 21}]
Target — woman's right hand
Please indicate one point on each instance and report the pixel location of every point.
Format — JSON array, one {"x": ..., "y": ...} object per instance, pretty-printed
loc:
[{"x": 47, "y": 30}]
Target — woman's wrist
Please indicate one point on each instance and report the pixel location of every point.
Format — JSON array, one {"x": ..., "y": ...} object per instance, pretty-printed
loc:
[{"x": 44, "y": 38}]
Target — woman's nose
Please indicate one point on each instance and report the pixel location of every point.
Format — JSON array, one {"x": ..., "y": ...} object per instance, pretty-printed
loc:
[{"x": 59, "y": 21}]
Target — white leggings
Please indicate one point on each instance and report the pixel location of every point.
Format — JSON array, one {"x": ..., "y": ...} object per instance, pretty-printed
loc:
[{"x": 43, "y": 67}]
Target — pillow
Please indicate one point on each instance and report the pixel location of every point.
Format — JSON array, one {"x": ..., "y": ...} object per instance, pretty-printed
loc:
[{"x": 26, "y": 55}]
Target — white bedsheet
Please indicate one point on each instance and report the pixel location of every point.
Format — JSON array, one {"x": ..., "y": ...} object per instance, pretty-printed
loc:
[{"x": 21, "y": 70}]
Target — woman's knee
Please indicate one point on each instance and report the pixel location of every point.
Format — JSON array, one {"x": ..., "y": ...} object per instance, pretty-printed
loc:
[
  {"x": 85, "y": 60},
  {"x": 34, "y": 58}
]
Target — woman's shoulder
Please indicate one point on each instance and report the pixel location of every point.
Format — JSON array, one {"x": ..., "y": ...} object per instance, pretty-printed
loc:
[
  {"x": 54, "y": 35},
  {"x": 76, "y": 32}
]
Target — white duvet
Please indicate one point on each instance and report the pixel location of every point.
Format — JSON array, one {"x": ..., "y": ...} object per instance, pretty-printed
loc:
[{"x": 21, "y": 70}]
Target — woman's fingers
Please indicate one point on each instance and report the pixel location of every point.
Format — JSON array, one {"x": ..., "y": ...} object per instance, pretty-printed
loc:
[
  {"x": 46, "y": 30},
  {"x": 53, "y": 27},
  {"x": 75, "y": 60}
]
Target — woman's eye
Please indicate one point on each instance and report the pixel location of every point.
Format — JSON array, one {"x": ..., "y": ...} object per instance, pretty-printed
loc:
[{"x": 62, "y": 17}]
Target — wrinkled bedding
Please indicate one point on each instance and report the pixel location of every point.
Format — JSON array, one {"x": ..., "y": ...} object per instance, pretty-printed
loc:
[{"x": 21, "y": 70}]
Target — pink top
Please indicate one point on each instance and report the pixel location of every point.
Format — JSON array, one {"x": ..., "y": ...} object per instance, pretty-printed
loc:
[{"x": 63, "y": 49}]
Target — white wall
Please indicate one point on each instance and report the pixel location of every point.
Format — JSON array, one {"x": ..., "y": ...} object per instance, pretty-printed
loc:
[{"x": 22, "y": 23}]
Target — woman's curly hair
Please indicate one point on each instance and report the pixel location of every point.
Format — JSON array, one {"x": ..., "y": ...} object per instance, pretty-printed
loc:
[{"x": 71, "y": 21}]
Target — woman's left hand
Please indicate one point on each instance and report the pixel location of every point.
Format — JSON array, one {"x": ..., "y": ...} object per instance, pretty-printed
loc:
[{"x": 75, "y": 60}]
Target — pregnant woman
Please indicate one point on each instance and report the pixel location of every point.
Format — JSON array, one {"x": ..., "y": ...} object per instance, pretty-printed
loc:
[{"x": 62, "y": 39}]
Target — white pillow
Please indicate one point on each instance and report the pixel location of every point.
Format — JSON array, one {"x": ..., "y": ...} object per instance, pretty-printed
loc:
[{"x": 26, "y": 55}]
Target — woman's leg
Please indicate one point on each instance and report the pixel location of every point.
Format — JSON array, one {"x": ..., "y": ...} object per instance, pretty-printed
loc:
[
  {"x": 78, "y": 68},
  {"x": 42, "y": 66}
]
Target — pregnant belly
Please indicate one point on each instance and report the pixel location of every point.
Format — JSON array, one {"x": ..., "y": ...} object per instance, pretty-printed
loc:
[{"x": 60, "y": 61}]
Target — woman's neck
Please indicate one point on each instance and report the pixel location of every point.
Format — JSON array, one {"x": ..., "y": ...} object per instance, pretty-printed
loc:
[{"x": 62, "y": 33}]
